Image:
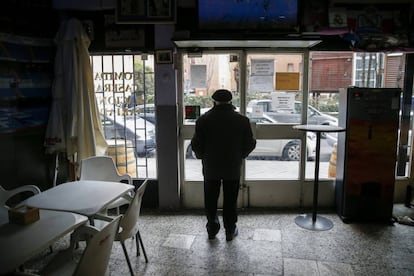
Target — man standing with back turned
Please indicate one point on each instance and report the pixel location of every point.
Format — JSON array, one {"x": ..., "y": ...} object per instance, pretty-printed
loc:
[{"x": 222, "y": 139}]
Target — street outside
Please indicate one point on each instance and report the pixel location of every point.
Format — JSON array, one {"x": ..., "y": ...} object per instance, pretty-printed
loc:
[{"x": 255, "y": 169}]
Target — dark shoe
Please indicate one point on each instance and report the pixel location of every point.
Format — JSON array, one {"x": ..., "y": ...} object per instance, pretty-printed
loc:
[
  {"x": 213, "y": 232},
  {"x": 230, "y": 236}
]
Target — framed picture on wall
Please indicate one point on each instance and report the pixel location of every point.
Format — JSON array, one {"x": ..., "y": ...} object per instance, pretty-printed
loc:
[
  {"x": 145, "y": 11},
  {"x": 123, "y": 36},
  {"x": 164, "y": 56}
]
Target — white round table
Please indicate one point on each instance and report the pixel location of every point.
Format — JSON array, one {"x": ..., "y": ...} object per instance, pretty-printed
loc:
[{"x": 314, "y": 221}]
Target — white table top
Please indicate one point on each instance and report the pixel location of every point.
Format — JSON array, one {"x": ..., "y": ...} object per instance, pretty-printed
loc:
[
  {"x": 18, "y": 243},
  {"x": 319, "y": 128},
  {"x": 85, "y": 197}
]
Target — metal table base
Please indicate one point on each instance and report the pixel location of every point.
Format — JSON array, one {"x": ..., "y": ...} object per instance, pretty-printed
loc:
[
  {"x": 320, "y": 224},
  {"x": 314, "y": 221}
]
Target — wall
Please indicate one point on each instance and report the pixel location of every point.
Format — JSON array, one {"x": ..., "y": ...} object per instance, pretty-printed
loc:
[
  {"x": 26, "y": 72},
  {"x": 167, "y": 127}
]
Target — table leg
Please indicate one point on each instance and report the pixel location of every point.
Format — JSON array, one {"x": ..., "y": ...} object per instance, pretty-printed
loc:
[{"x": 315, "y": 222}]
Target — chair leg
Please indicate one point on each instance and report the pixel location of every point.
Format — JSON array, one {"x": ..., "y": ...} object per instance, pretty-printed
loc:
[
  {"x": 127, "y": 258},
  {"x": 137, "y": 245},
  {"x": 138, "y": 237}
]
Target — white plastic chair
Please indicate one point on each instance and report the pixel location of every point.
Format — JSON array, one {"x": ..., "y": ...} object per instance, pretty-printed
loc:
[
  {"x": 5, "y": 195},
  {"x": 95, "y": 257},
  {"x": 103, "y": 168},
  {"x": 129, "y": 224}
]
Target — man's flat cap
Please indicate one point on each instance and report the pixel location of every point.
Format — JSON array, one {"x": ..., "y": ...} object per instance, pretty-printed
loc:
[{"x": 222, "y": 95}]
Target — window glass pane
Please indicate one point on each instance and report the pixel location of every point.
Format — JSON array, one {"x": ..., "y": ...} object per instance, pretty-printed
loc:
[
  {"x": 124, "y": 88},
  {"x": 274, "y": 87},
  {"x": 274, "y": 159},
  {"x": 192, "y": 165},
  {"x": 203, "y": 75},
  {"x": 274, "y": 93},
  {"x": 331, "y": 71}
]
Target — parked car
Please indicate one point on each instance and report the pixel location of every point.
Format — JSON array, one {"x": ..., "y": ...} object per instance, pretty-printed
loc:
[
  {"x": 331, "y": 138},
  {"x": 286, "y": 149},
  {"x": 145, "y": 111},
  {"x": 150, "y": 117},
  {"x": 133, "y": 128},
  {"x": 145, "y": 108},
  {"x": 293, "y": 116}
]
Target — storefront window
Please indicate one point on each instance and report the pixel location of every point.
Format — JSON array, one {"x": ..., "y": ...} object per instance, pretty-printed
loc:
[{"x": 124, "y": 89}]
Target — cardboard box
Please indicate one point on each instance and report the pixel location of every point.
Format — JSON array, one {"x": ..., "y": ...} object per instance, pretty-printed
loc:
[{"x": 23, "y": 215}]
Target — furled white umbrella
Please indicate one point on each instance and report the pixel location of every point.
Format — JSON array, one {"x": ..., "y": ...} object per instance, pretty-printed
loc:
[{"x": 74, "y": 126}]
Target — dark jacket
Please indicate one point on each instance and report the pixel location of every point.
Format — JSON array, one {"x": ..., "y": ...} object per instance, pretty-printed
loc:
[{"x": 222, "y": 139}]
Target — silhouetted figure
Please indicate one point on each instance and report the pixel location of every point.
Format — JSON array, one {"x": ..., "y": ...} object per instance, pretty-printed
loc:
[{"x": 222, "y": 139}]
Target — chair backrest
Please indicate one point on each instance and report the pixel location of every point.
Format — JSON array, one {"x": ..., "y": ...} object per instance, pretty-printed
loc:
[
  {"x": 5, "y": 195},
  {"x": 101, "y": 168},
  {"x": 129, "y": 221},
  {"x": 95, "y": 258}
]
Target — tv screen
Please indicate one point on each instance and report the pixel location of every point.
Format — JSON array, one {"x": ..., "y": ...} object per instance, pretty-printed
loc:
[{"x": 248, "y": 15}]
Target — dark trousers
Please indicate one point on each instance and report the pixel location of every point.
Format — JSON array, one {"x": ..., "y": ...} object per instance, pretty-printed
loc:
[{"x": 230, "y": 194}]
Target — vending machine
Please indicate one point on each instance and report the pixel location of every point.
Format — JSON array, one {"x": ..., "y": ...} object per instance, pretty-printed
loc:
[{"x": 367, "y": 153}]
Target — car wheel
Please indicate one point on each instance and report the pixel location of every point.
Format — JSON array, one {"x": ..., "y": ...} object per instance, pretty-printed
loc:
[
  {"x": 291, "y": 152},
  {"x": 189, "y": 153}
]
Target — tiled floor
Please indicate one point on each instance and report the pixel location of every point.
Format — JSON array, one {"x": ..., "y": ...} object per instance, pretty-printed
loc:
[{"x": 269, "y": 243}]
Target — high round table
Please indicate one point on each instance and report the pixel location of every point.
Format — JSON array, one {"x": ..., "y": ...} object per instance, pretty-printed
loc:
[{"x": 314, "y": 221}]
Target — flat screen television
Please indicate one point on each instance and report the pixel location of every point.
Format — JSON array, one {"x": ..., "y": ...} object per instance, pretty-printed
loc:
[{"x": 248, "y": 15}]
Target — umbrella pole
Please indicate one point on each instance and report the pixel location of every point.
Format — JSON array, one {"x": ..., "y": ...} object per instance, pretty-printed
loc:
[
  {"x": 72, "y": 171},
  {"x": 56, "y": 169}
]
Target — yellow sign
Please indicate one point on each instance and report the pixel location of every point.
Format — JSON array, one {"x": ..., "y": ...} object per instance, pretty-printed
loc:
[{"x": 287, "y": 81}]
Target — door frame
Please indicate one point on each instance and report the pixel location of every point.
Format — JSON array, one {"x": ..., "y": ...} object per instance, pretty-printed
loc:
[{"x": 255, "y": 193}]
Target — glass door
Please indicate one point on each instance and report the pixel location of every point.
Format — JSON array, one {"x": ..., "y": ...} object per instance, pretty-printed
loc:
[
  {"x": 268, "y": 88},
  {"x": 202, "y": 74},
  {"x": 274, "y": 103}
]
